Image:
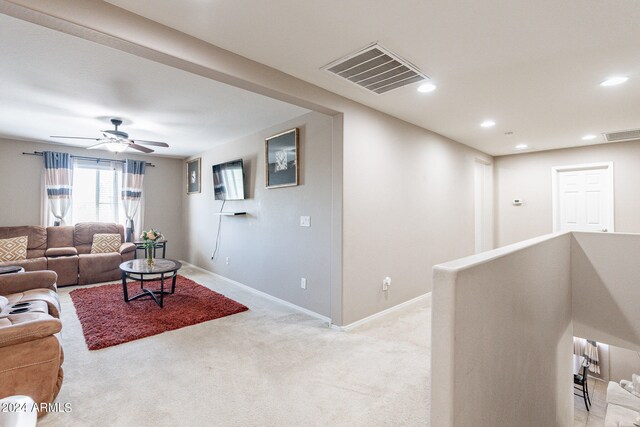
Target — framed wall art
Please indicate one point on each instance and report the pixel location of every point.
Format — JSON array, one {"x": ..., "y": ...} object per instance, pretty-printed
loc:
[
  {"x": 281, "y": 159},
  {"x": 193, "y": 176}
]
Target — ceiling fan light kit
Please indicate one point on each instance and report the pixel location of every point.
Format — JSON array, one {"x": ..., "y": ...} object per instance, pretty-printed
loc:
[
  {"x": 115, "y": 147},
  {"x": 117, "y": 141}
]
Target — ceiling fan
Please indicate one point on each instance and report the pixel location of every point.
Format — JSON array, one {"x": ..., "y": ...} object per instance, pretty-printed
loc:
[{"x": 117, "y": 141}]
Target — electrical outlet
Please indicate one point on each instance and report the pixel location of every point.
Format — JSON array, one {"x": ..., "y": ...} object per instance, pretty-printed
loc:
[
  {"x": 386, "y": 283},
  {"x": 305, "y": 221},
  {"x": 303, "y": 283},
  {"x": 226, "y": 260}
]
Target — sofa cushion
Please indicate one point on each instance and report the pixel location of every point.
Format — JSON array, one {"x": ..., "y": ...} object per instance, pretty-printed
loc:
[
  {"x": 95, "y": 268},
  {"x": 57, "y": 252},
  {"x": 127, "y": 247},
  {"x": 66, "y": 267},
  {"x": 60, "y": 236},
  {"x": 45, "y": 295},
  {"x": 13, "y": 248},
  {"x": 616, "y": 395},
  {"x": 33, "y": 306},
  {"x": 31, "y": 264},
  {"x": 105, "y": 243},
  {"x": 617, "y": 416},
  {"x": 37, "y": 238},
  {"x": 84, "y": 231}
]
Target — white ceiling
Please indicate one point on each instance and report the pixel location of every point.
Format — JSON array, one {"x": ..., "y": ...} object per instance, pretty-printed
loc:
[
  {"x": 532, "y": 66},
  {"x": 56, "y": 84}
]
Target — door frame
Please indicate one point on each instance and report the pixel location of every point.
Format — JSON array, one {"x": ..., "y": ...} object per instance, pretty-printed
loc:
[{"x": 555, "y": 195}]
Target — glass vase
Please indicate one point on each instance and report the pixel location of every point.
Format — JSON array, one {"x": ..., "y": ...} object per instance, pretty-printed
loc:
[{"x": 150, "y": 257}]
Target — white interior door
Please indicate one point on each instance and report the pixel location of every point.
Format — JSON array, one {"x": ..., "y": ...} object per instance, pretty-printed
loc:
[
  {"x": 483, "y": 205},
  {"x": 583, "y": 197}
]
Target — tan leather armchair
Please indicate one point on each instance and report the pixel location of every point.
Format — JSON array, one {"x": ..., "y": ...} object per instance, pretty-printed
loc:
[{"x": 31, "y": 354}]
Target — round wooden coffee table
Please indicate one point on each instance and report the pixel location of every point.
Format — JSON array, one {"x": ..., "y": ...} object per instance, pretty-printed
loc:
[{"x": 162, "y": 269}]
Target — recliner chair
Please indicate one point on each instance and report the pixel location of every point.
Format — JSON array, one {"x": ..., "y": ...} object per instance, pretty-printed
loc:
[{"x": 31, "y": 354}]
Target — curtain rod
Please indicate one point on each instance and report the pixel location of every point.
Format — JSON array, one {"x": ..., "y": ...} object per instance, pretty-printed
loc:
[{"x": 97, "y": 159}]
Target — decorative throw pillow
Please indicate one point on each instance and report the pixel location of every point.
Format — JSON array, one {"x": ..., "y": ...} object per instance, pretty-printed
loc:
[
  {"x": 629, "y": 387},
  {"x": 633, "y": 387},
  {"x": 105, "y": 243},
  {"x": 13, "y": 249},
  {"x": 635, "y": 379},
  {"x": 3, "y": 302}
]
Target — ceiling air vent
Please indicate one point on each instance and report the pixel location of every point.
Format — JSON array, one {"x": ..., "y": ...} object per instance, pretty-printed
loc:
[
  {"x": 376, "y": 69},
  {"x": 624, "y": 135}
]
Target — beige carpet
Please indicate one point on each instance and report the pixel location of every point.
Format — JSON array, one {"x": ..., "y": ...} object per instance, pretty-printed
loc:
[{"x": 269, "y": 366}]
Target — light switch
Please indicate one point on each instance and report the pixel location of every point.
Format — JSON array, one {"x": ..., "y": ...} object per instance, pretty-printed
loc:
[{"x": 305, "y": 221}]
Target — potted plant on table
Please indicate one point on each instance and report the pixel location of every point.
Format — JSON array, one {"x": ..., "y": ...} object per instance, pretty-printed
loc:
[{"x": 150, "y": 239}]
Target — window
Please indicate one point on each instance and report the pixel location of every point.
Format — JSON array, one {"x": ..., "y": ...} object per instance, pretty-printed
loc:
[{"x": 96, "y": 192}]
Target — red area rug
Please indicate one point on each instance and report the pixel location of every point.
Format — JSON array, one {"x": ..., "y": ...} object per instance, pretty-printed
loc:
[{"x": 107, "y": 320}]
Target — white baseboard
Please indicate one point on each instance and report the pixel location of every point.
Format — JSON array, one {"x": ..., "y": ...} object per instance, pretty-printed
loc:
[
  {"x": 324, "y": 319},
  {"x": 242, "y": 286},
  {"x": 382, "y": 313}
]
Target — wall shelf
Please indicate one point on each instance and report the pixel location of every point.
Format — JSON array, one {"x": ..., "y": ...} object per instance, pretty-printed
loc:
[{"x": 229, "y": 213}]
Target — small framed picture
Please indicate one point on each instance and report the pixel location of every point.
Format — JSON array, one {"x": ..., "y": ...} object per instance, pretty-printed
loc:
[
  {"x": 193, "y": 176},
  {"x": 281, "y": 159}
]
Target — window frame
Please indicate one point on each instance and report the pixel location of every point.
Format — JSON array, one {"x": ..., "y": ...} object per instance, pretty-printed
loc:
[{"x": 97, "y": 168}]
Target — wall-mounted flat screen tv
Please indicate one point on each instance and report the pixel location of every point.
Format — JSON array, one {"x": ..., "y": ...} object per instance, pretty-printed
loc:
[{"x": 228, "y": 180}]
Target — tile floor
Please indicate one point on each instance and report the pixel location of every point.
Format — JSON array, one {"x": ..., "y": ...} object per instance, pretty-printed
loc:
[{"x": 595, "y": 416}]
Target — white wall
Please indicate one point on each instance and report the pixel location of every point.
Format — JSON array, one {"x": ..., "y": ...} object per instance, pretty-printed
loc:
[
  {"x": 267, "y": 248},
  {"x": 408, "y": 205},
  {"x": 382, "y": 228},
  {"x": 502, "y": 337},
  {"x": 623, "y": 363},
  {"x": 20, "y": 191},
  {"x": 528, "y": 176},
  {"x": 503, "y": 320},
  {"x": 605, "y": 272}
]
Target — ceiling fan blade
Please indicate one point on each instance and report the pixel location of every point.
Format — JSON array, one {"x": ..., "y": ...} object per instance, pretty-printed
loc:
[
  {"x": 74, "y": 137},
  {"x": 140, "y": 148},
  {"x": 116, "y": 140},
  {"x": 156, "y": 143},
  {"x": 112, "y": 137},
  {"x": 91, "y": 147}
]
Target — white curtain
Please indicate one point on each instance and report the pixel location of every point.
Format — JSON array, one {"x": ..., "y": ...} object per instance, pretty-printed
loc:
[
  {"x": 83, "y": 209},
  {"x": 588, "y": 349},
  {"x": 131, "y": 194},
  {"x": 58, "y": 184},
  {"x": 46, "y": 217},
  {"x": 591, "y": 353}
]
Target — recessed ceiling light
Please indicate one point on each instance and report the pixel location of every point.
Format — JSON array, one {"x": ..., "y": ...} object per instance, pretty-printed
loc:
[
  {"x": 614, "y": 81},
  {"x": 427, "y": 87},
  {"x": 488, "y": 124},
  {"x": 588, "y": 137},
  {"x": 522, "y": 147}
]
